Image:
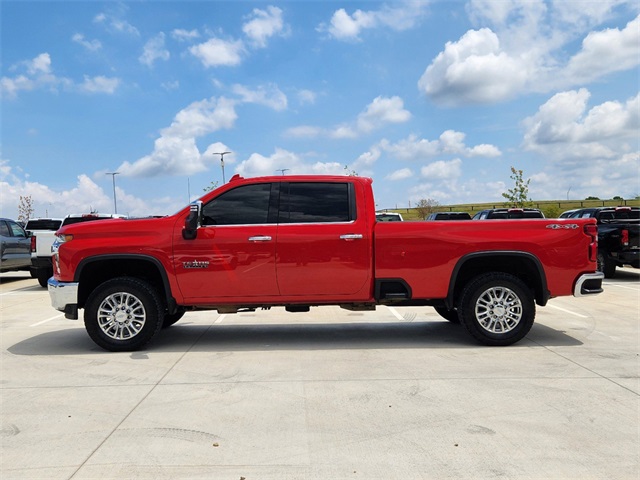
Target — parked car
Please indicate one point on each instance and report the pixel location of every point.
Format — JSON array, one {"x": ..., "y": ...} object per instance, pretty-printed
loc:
[
  {"x": 389, "y": 217},
  {"x": 618, "y": 235},
  {"x": 508, "y": 213},
  {"x": 15, "y": 246},
  {"x": 449, "y": 216}
]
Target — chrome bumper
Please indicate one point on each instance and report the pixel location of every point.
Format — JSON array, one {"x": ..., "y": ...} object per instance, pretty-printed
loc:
[
  {"x": 64, "y": 297},
  {"x": 588, "y": 284}
]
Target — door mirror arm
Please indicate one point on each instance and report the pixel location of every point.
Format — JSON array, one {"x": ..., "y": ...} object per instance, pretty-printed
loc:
[{"x": 192, "y": 222}]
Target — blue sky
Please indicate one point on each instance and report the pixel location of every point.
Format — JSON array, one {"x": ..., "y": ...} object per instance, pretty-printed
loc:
[{"x": 433, "y": 99}]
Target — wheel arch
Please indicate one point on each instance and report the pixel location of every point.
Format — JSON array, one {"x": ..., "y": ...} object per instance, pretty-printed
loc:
[
  {"x": 525, "y": 266},
  {"x": 93, "y": 271}
]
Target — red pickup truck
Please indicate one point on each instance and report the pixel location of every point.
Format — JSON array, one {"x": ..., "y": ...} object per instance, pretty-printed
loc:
[{"x": 302, "y": 241}]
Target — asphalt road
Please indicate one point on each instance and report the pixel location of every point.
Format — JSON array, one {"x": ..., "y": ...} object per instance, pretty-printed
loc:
[{"x": 327, "y": 395}]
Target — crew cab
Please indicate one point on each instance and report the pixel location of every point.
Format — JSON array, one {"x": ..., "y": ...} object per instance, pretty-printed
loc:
[
  {"x": 304, "y": 241},
  {"x": 618, "y": 235}
]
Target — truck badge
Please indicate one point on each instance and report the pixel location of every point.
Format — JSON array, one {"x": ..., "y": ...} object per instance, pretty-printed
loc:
[
  {"x": 196, "y": 264},
  {"x": 564, "y": 226}
]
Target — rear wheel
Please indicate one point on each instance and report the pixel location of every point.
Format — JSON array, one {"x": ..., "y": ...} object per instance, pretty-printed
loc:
[
  {"x": 497, "y": 308},
  {"x": 606, "y": 266},
  {"x": 44, "y": 274},
  {"x": 123, "y": 314}
]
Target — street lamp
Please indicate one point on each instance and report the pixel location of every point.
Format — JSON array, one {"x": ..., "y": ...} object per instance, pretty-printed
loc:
[
  {"x": 113, "y": 177},
  {"x": 222, "y": 154},
  {"x": 282, "y": 170}
]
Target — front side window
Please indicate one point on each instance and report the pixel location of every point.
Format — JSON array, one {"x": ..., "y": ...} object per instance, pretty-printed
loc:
[
  {"x": 16, "y": 230},
  {"x": 245, "y": 205},
  {"x": 315, "y": 203}
]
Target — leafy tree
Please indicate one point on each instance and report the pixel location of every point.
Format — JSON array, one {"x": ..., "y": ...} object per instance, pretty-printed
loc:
[
  {"x": 426, "y": 207},
  {"x": 592, "y": 198},
  {"x": 25, "y": 208},
  {"x": 211, "y": 186},
  {"x": 518, "y": 196},
  {"x": 349, "y": 171},
  {"x": 617, "y": 197}
]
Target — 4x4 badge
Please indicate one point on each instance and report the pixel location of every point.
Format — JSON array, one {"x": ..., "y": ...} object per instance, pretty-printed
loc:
[{"x": 564, "y": 226}]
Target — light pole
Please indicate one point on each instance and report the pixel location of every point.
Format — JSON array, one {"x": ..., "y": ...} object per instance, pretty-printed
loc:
[
  {"x": 222, "y": 154},
  {"x": 282, "y": 170},
  {"x": 113, "y": 177}
]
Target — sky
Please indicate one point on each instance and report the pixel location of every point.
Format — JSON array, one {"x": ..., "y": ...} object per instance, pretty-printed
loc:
[{"x": 434, "y": 100}]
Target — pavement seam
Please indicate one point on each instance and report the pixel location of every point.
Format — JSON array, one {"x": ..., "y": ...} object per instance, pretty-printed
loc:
[{"x": 135, "y": 407}]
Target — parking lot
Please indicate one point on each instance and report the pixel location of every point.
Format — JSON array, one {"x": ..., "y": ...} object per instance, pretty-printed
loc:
[{"x": 330, "y": 394}]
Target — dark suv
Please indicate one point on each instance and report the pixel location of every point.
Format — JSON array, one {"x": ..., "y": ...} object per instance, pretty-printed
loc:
[
  {"x": 449, "y": 216},
  {"x": 508, "y": 213}
]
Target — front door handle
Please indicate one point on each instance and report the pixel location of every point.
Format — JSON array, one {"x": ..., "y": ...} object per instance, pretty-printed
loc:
[
  {"x": 260, "y": 238},
  {"x": 351, "y": 236}
]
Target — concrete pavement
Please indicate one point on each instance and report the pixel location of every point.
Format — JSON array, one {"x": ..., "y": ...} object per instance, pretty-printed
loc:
[{"x": 330, "y": 394}]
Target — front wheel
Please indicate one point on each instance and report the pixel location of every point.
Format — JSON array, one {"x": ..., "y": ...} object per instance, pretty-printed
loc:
[
  {"x": 123, "y": 314},
  {"x": 497, "y": 308},
  {"x": 606, "y": 266}
]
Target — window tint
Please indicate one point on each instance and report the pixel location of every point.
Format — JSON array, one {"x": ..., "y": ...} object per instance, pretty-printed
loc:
[
  {"x": 16, "y": 230},
  {"x": 43, "y": 224},
  {"x": 244, "y": 205},
  {"x": 4, "y": 230},
  {"x": 315, "y": 203}
]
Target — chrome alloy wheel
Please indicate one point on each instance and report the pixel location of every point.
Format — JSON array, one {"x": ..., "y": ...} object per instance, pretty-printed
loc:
[
  {"x": 121, "y": 316},
  {"x": 498, "y": 310}
]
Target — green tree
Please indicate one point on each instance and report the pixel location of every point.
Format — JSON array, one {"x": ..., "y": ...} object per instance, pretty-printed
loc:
[
  {"x": 426, "y": 207},
  {"x": 592, "y": 198},
  {"x": 518, "y": 196},
  {"x": 211, "y": 186}
]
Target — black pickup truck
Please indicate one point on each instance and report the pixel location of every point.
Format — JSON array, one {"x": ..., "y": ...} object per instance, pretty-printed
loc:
[{"x": 618, "y": 236}]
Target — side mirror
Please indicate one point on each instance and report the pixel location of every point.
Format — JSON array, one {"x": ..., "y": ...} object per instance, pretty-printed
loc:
[{"x": 192, "y": 222}]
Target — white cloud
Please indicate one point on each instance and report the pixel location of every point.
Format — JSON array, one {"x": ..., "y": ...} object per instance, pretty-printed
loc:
[
  {"x": 593, "y": 151},
  {"x": 307, "y": 97},
  {"x": 267, "y": 95},
  {"x": 604, "y": 52},
  {"x": 264, "y": 24},
  {"x": 154, "y": 50},
  {"x": 114, "y": 22},
  {"x": 564, "y": 119},
  {"x": 91, "y": 45},
  {"x": 474, "y": 70},
  {"x": 399, "y": 17},
  {"x": 258, "y": 165},
  {"x": 381, "y": 112},
  {"x": 442, "y": 170},
  {"x": 216, "y": 52},
  {"x": 523, "y": 46},
  {"x": 99, "y": 84},
  {"x": 175, "y": 151},
  {"x": 401, "y": 174},
  {"x": 450, "y": 142},
  {"x": 185, "y": 35}
]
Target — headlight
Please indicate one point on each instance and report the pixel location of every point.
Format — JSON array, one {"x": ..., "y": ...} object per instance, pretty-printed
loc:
[{"x": 64, "y": 238}]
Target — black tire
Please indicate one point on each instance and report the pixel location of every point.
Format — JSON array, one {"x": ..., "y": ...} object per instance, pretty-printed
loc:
[
  {"x": 606, "y": 266},
  {"x": 44, "y": 274},
  {"x": 497, "y": 309},
  {"x": 123, "y": 314},
  {"x": 451, "y": 315},
  {"x": 170, "y": 319}
]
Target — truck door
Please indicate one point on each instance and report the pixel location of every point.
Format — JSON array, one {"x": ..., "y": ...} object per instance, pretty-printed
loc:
[
  {"x": 323, "y": 248},
  {"x": 233, "y": 254}
]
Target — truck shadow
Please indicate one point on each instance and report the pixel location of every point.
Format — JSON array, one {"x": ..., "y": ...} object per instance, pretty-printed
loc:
[{"x": 183, "y": 337}]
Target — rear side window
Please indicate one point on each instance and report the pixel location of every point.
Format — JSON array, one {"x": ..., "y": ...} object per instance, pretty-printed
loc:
[
  {"x": 316, "y": 203},
  {"x": 245, "y": 205},
  {"x": 43, "y": 224}
]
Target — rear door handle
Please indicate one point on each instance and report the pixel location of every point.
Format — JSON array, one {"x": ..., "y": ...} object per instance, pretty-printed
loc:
[
  {"x": 260, "y": 238},
  {"x": 351, "y": 236}
]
